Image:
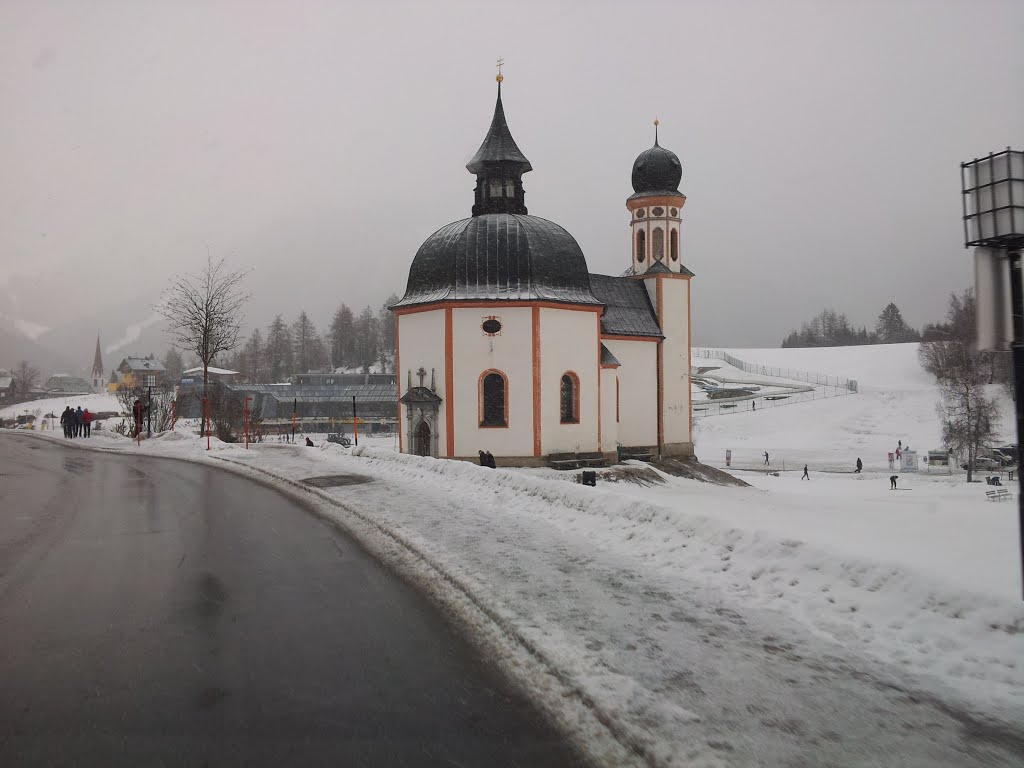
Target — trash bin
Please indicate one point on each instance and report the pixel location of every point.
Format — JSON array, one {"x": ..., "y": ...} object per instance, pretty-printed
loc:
[
  {"x": 618, "y": 453},
  {"x": 589, "y": 477}
]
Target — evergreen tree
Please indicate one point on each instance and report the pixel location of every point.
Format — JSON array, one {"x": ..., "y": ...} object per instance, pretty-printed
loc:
[
  {"x": 366, "y": 340},
  {"x": 307, "y": 346},
  {"x": 254, "y": 368},
  {"x": 278, "y": 350},
  {"x": 174, "y": 364},
  {"x": 387, "y": 326},
  {"x": 342, "y": 338},
  {"x": 892, "y": 329}
]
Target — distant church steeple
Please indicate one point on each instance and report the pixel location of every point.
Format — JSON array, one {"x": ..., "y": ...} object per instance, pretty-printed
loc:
[
  {"x": 97, "y": 367},
  {"x": 499, "y": 166}
]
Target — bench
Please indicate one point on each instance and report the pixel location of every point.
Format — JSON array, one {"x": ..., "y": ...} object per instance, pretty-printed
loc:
[
  {"x": 1000, "y": 494},
  {"x": 591, "y": 459},
  {"x": 635, "y": 454},
  {"x": 564, "y": 461}
]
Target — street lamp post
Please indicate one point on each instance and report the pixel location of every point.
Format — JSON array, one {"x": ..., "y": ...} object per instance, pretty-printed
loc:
[{"x": 993, "y": 205}]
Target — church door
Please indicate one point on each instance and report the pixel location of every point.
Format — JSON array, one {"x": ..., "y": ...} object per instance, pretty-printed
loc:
[{"x": 423, "y": 439}]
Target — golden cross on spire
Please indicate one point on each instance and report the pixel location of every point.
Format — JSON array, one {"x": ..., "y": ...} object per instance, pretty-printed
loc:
[{"x": 501, "y": 63}]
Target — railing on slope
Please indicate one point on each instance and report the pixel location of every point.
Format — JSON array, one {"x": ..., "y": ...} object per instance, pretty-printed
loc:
[
  {"x": 833, "y": 386},
  {"x": 780, "y": 373}
]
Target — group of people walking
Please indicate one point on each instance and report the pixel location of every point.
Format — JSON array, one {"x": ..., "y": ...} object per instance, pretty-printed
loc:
[{"x": 76, "y": 423}]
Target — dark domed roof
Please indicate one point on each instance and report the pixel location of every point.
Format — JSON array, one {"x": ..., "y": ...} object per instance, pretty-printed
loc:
[
  {"x": 657, "y": 171},
  {"x": 499, "y": 257}
]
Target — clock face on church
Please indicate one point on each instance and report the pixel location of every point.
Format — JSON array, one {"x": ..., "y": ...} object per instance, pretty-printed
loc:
[{"x": 491, "y": 326}]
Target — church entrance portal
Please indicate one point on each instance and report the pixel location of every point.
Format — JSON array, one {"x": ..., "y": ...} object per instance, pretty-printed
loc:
[{"x": 423, "y": 439}]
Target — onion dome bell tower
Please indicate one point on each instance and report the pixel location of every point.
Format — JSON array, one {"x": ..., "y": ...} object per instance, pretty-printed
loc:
[
  {"x": 655, "y": 210},
  {"x": 499, "y": 166}
]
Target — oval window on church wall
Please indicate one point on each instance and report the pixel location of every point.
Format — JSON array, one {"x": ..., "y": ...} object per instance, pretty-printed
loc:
[
  {"x": 491, "y": 326},
  {"x": 658, "y": 212},
  {"x": 641, "y": 245},
  {"x": 658, "y": 244}
]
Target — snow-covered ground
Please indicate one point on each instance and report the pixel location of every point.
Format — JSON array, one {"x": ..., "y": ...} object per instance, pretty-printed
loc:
[
  {"x": 821, "y": 622},
  {"x": 54, "y": 405}
]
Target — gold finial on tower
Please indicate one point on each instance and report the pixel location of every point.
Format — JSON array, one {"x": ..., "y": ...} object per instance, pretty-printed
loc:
[
  {"x": 657, "y": 122},
  {"x": 501, "y": 63}
]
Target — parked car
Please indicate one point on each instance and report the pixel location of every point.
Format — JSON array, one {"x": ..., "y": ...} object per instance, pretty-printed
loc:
[
  {"x": 982, "y": 463},
  {"x": 1007, "y": 452}
]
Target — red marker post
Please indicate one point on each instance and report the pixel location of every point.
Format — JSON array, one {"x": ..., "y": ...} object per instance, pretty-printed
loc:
[
  {"x": 206, "y": 420},
  {"x": 247, "y": 422}
]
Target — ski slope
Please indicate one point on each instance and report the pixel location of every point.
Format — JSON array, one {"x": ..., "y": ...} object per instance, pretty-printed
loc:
[{"x": 896, "y": 400}]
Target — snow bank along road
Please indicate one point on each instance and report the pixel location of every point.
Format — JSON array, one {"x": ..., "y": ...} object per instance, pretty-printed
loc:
[
  {"x": 680, "y": 625},
  {"x": 156, "y": 612}
]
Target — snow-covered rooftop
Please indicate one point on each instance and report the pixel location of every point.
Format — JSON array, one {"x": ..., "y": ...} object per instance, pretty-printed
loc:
[{"x": 211, "y": 369}]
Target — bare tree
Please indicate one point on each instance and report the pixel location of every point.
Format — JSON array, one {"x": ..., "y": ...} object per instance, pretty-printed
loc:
[
  {"x": 204, "y": 313},
  {"x": 26, "y": 376},
  {"x": 969, "y": 416}
]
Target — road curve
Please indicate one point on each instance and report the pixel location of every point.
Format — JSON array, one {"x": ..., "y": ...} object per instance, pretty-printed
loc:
[{"x": 156, "y": 612}]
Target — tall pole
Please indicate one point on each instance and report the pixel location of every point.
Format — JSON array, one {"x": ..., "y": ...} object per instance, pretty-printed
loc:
[
  {"x": 149, "y": 413},
  {"x": 295, "y": 411},
  {"x": 247, "y": 422},
  {"x": 1017, "y": 347},
  {"x": 355, "y": 421},
  {"x": 206, "y": 420}
]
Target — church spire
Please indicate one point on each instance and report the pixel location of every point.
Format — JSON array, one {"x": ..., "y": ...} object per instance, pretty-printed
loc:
[
  {"x": 97, "y": 362},
  {"x": 499, "y": 165}
]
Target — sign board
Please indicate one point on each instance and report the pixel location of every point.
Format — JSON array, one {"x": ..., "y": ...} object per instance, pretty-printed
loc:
[{"x": 908, "y": 461}]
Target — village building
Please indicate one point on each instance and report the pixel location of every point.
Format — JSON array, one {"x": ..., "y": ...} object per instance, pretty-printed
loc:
[
  {"x": 62, "y": 384},
  {"x": 508, "y": 344},
  {"x": 141, "y": 372}
]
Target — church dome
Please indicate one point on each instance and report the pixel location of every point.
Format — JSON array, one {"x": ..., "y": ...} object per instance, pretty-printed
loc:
[
  {"x": 657, "y": 171},
  {"x": 499, "y": 257}
]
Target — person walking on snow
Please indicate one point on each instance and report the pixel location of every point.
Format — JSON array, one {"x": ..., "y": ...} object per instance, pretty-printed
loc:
[
  {"x": 86, "y": 423},
  {"x": 766, "y": 458},
  {"x": 65, "y": 421},
  {"x": 78, "y": 421},
  {"x": 860, "y": 466},
  {"x": 805, "y": 475},
  {"x": 892, "y": 480}
]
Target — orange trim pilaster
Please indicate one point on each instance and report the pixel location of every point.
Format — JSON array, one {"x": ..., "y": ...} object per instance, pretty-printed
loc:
[
  {"x": 449, "y": 383},
  {"x": 398, "y": 380},
  {"x": 536, "y": 380},
  {"x": 598, "y": 318},
  {"x": 661, "y": 373},
  {"x": 689, "y": 361}
]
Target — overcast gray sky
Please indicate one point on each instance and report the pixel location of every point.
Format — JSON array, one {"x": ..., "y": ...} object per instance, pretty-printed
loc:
[{"x": 321, "y": 143}]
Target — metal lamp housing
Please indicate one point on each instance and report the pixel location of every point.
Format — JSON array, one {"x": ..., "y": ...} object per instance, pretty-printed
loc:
[{"x": 993, "y": 200}]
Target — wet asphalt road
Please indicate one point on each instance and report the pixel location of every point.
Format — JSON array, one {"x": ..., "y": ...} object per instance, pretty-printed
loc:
[{"x": 155, "y": 612}]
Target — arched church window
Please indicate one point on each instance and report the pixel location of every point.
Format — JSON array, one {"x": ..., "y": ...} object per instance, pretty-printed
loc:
[
  {"x": 493, "y": 399},
  {"x": 673, "y": 244},
  {"x": 570, "y": 398},
  {"x": 510, "y": 189},
  {"x": 658, "y": 243},
  {"x": 641, "y": 245},
  {"x": 495, "y": 189}
]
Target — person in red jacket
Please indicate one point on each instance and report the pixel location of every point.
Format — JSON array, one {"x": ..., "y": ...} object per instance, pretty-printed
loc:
[{"x": 87, "y": 423}]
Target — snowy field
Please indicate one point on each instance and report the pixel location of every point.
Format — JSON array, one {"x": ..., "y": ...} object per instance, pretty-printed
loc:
[{"x": 791, "y": 623}]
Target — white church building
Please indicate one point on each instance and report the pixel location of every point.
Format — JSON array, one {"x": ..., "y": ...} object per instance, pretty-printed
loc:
[{"x": 509, "y": 344}]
